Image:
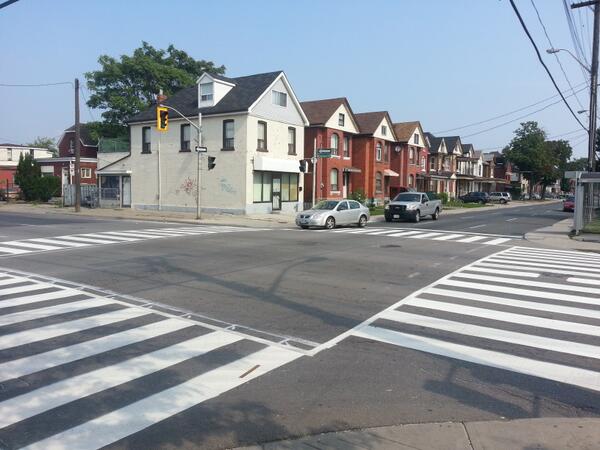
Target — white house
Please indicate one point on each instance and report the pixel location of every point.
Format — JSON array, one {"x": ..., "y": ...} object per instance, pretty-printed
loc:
[
  {"x": 254, "y": 128},
  {"x": 9, "y": 160}
]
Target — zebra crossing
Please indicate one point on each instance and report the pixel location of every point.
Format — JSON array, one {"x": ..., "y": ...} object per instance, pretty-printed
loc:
[
  {"x": 527, "y": 310},
  {"x": 81, "y": 370},
  {"x": 65, "y": 242},
  {"x": 428, "y": 234}
]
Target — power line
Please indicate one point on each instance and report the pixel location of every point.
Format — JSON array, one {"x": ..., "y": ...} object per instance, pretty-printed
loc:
[
  {"x": 88, "y": 108},
  {"x": 555, "y": 54},
  {"x": 578, "y": 130},
  {"x": 575, "y": 38},
  {"x": 510, "y": 112},
  {"x": 537, "y": 51},
  {"x": 7, "y": 3},
  {"x": 514, "y": 120},
  {"x": 36, "y": 85}
]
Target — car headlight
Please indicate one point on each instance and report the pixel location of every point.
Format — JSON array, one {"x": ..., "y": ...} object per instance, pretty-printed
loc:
[
  {"x": 411, "y": 206},
  {"x": 386, "y": 207}
]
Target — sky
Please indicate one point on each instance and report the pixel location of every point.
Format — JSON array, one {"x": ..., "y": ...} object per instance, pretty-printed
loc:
[{"x": 445, "y": 63}]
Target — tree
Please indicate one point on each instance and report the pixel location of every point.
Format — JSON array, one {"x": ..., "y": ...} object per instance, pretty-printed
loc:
[
  {"x": 556, "y": 157},
  {"x": 26, "y": 176},
  {"x": 526, "y": 151},
  {"x": 107, "y": 130},
  {"x": 126, "y": 86},
  {"x": 45, "y": 142}
]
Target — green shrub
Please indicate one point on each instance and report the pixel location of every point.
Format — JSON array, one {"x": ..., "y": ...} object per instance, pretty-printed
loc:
[
  {"x": 443, "y": 196},
  {"x": 358, "y": 195},
  {"x": 46, "y": 188}
]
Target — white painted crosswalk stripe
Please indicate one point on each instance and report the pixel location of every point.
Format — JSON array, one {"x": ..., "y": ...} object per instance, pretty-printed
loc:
[
  {"x": 471, "y": 239},
  {"x": 53, "y": 243},
  {"x": 227, "y": 360},
  {"x": 512, "y": 297}
]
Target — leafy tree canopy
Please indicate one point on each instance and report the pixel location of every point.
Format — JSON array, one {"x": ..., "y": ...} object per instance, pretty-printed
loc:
[
  {"x": 125, "y": 86},
  {"x": 107, "y": 130},
  {"x": 44, "y": 142}
]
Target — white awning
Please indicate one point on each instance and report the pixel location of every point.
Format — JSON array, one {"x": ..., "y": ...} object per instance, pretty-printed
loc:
[
  {"x": 390, "y": 173},
  {"x": 276, "y": 164}
]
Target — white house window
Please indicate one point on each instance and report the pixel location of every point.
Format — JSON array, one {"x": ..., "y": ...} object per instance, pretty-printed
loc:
[
  {"x": 206, "y": 92},
  {"x": 86, "y": 172},
  {"x": 261, "y": 143},
  {"x": 291, "y": 141},
  {"x": 416, "y": 138},
  {"x": 341, "y": 119},
  {"x": 346, "y": 147},
  {"x": 145, "y": 139},
  {"x": 9, "y": 154},
  {"x": 228, "y": 134},
  {"x": 279, "y": 98},
  {"x": 378, "y": 183},
  {"x": 383, "y": 130},
  {"x": 411, "y": 156},
  {"x": 333, "y": 179},
  {"x": 378, "y": 151},
  {"x": 423, "y": 162},
  {"x": 185, "y": 138},
  {"x": 335, "y": 144}
]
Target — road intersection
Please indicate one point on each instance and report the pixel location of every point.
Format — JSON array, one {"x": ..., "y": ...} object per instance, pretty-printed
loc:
[{"x": 212, "y": 337}]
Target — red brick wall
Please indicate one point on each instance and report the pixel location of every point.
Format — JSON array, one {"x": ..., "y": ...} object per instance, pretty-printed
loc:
[
  {"x": 7, "y": 173},
  {"x": 63, "y": 147},
  {"x": 58, "y": 166}
]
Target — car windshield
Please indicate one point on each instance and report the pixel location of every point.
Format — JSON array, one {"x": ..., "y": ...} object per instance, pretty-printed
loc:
[
  {"x": 326, "y": 205},
  {"x": 408, "y": 197}
]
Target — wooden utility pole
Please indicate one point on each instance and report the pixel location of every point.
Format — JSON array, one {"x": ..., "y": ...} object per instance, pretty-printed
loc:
[
  {"x": 593, "y": 82},
  {"x": 77, "y": 150}
]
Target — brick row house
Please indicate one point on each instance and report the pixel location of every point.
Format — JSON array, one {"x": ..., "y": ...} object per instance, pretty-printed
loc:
[
  {"x": 63, "y": 166},
  {"x": 409, "y": 158}
]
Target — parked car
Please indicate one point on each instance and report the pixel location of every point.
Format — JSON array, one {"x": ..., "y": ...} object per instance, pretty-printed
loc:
[
  {"x": 413, "y": 206},
  {"x": 569, "y": 203},
  {"x": 330, "y": 213},
  {"x": 475, "y": 197},
  {"x": 500, "y": 197}
]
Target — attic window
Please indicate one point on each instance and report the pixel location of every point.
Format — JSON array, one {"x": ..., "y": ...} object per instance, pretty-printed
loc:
[
  {"x": 416, "y": 138},
  {"x": 206, "y": 92},
  {"x": 279, "y": 98},
  {"x": 341, "y": 119},
  {"x": 383, "y": 130}
]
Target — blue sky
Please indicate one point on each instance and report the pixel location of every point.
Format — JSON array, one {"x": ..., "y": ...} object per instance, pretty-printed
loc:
[{"x": 445, "y": 63}]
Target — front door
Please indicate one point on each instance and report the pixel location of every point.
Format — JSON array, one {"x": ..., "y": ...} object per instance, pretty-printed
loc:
[
  {"x": 276, "y": 202},
  {"x": 346, "y": 181},
  {"x": 126, "y": 189}
]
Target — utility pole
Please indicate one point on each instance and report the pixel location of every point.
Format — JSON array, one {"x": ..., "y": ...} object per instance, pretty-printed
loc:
[
  {"x": 199, "y": 168},
  {"x": 77, "y": 150},
  {"x": 593, "y": 81}
]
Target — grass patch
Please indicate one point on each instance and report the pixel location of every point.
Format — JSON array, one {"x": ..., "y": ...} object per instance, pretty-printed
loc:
[
  {"x": 593, "y": 227},
  {"x": 455, "y": 204},
  {"x": 376, "y": 211}
]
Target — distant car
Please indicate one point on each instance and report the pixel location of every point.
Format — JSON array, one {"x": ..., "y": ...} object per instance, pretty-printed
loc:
[
  {"x": 413, "y": 206},
  {"x": 536, "y": 196},
  {"x": 475, "y": 197},
  {"x": 569, "y": 203},
  {"x": 500, "y": 197},
  {"x": 331, "y": 213}
]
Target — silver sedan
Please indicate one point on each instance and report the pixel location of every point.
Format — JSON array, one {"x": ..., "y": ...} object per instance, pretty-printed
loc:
[{"x": 330, "y": 213}]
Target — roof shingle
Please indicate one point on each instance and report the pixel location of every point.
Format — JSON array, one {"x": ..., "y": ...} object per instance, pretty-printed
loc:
[{"x": 320, "y": 111}]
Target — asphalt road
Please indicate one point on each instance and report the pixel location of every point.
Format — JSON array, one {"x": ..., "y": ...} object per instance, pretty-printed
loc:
[{"x": 313, "y": 290}]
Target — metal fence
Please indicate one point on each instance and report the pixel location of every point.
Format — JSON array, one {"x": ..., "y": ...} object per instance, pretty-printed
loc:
[
  {"x": 9, "y": 191},
  {"x": 89, "y": 195}
]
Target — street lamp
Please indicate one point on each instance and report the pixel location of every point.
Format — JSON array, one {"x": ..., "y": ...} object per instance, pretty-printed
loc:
[{"x": 552, "y": 51}]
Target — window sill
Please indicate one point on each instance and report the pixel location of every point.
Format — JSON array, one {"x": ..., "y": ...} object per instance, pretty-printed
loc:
[
  {"x": 335, "y": 192},
  {"x": 230, "y": 149},
  {"x": 185, "y": 151},
  {"x": 146, "y": 153},
  {"x": 292, "y": 154},
  {"x": 346, "y": 157},
  {"x": 263, "y": 150}
]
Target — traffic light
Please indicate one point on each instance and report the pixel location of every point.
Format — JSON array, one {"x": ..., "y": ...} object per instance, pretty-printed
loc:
[
  {"x": 211, "y": 162},
  {"x": 162, "y": 119},
  {"x": 302, "y": 165}
]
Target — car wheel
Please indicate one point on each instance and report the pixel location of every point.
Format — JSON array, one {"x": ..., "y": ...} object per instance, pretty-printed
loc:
[
  {"x": 330, "y": 223},
  {"x": 436, "y": 214},
  {"x": 503, "y": 202},
  {"x": 304, "y": 227},
  {"x": 417, "y": 217},
  {"x": 362, "y": 222}
]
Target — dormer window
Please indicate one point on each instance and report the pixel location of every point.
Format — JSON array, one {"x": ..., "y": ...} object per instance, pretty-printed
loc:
[
  {"x": 279, "y": 98},
  {"x": 206, "y": 92},
  {"x": 383, "y": 130},
  {"x": 341, "y": 119},
  {"x": 416, "y": 138}
]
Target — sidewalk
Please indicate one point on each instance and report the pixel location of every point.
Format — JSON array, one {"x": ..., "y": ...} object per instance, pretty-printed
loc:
[
  {"x": 557, "y": 236},
  {"x": 255, "y": 220},
  {"x": 523, "y": 434}
]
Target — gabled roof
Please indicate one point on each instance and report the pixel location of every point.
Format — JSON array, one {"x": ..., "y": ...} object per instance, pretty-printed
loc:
[
  {"x": 404, "y": 130},
  {"x": 84, "y": 134},
  {"x": 434, "y": 142},
  {"x": 467, "y": 148},
  {"x": 369, "y": 121},
  {"x": 240, "y": 98},
  {"x": 451, "y": 142},
  {"x": 320, "y": 111},
  {"x": 477, "y": 154}
]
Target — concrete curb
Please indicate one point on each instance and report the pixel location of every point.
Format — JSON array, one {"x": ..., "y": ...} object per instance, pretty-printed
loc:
[
  {"x": 547, "y": 434},
  {"x": 558, "y": 236}
]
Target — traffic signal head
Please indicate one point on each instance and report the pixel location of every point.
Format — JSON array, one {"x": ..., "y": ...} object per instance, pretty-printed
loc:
[
  {"x": 211, "y": 162},
  {"x": 162, "y": 118},
  {"x": 302, "y": 165}
]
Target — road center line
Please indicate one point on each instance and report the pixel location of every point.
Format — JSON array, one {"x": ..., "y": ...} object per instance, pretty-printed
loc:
[{"x": 478, "y": 226}]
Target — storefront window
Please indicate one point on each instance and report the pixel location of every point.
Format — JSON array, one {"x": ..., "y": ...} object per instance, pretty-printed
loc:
[
  {"x": 285, "y": 187},
  {"x": 262, "y": 186}
]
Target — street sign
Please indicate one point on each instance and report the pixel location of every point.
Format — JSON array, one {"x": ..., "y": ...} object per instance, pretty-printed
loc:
[
  {"x": 201, "y": 149},
  {"x": 324, "y": 152}
]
